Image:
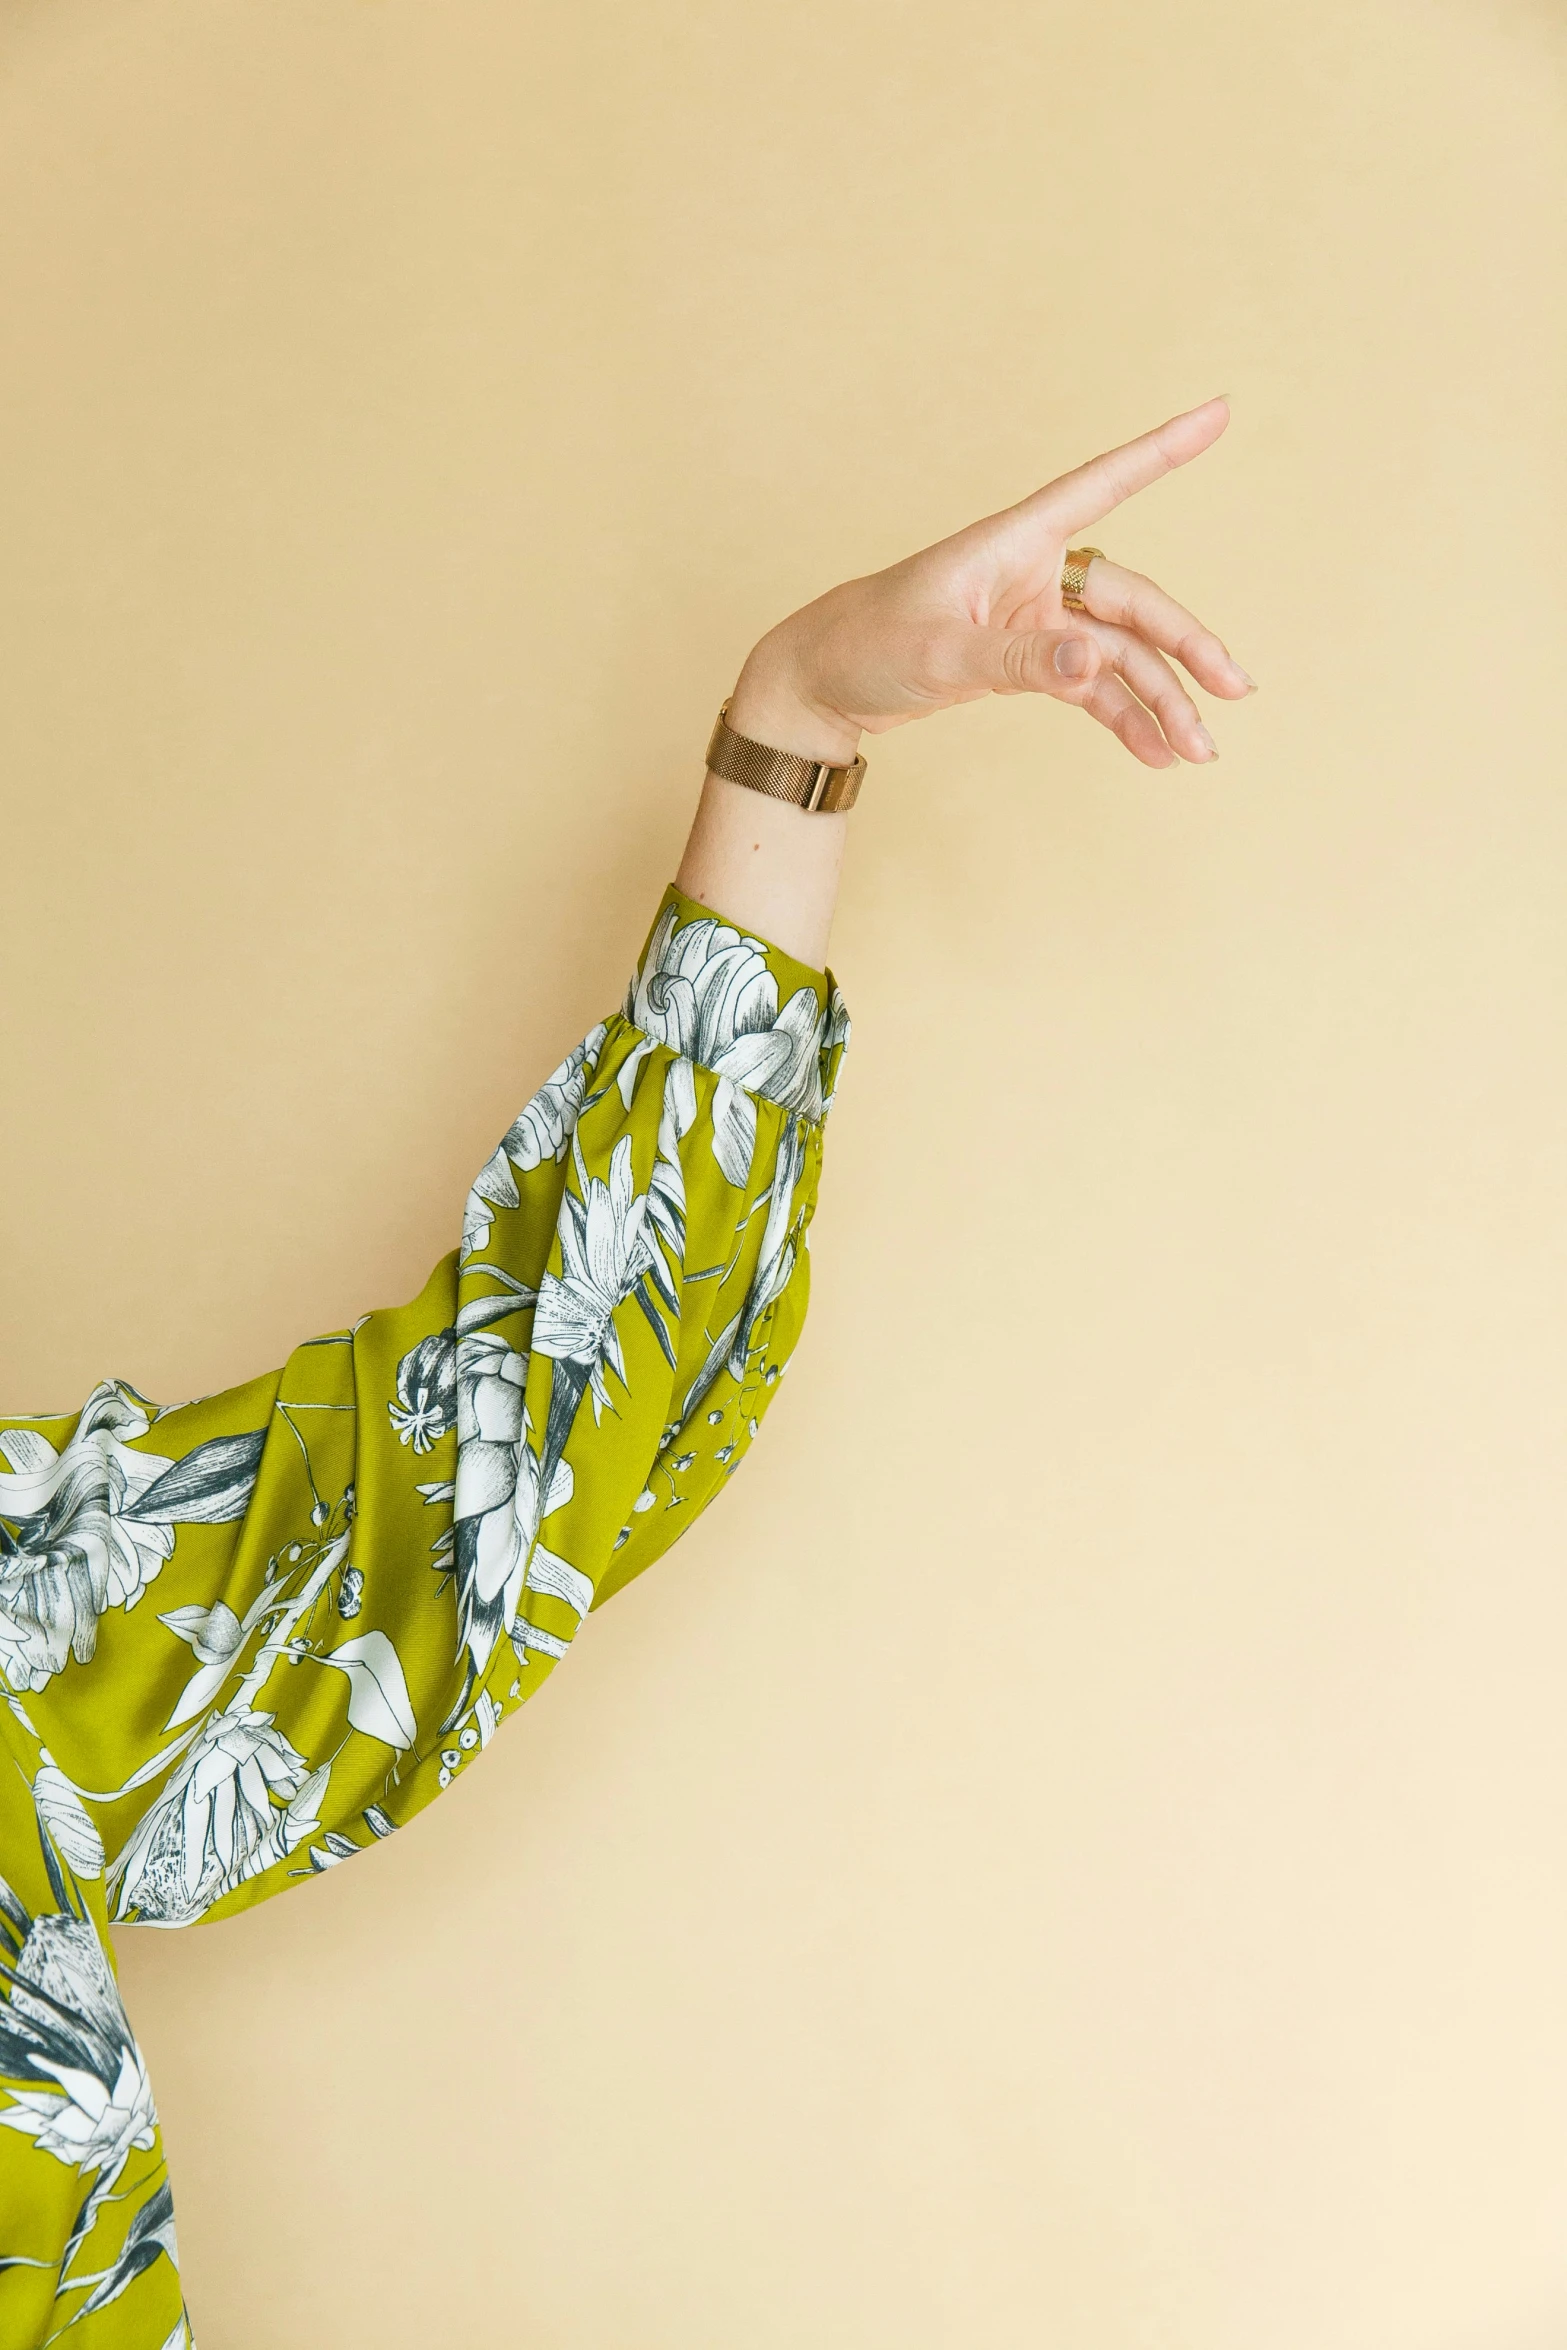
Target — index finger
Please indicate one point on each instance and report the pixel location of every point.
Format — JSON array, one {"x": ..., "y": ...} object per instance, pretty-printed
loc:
[{"x": 1076, "y": 500}]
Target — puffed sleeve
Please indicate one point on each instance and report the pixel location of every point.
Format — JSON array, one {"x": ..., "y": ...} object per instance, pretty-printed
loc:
[{"x": 245, "y": 1637}]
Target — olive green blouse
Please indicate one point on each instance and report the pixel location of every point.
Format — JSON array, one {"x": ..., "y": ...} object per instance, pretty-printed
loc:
[{"x": 242, "y": 1639}]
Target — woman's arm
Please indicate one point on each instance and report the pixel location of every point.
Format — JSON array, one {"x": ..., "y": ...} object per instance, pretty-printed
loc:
[
  {"x": 245, "y": 1637},
  {"x": 976, "y": 614}
]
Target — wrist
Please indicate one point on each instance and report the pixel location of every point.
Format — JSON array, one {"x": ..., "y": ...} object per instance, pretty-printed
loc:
[{"x": 769, "y": 706}]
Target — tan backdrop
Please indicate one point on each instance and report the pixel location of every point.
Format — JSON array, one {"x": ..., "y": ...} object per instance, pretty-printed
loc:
[{"x": 1074, "y": 1850}]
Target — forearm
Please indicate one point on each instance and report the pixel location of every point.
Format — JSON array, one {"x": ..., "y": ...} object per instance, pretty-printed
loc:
[{"x": 765, "y": 865}]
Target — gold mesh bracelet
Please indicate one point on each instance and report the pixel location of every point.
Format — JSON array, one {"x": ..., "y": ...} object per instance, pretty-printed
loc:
[{"x": 783, "y": 775}]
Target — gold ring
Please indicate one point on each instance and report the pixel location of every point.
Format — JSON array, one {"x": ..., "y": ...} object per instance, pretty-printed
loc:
[{"x": 1074, "y": 571}]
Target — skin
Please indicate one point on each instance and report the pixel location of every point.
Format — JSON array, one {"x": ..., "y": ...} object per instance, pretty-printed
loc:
[{"x": 978, "y": 613}]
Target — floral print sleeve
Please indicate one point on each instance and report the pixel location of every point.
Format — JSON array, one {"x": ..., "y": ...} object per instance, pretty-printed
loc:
[{"x": 242, "y": 1639}]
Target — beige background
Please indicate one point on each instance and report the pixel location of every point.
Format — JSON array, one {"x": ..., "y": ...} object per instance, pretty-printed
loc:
[{"x": 1074, "y": 1851}]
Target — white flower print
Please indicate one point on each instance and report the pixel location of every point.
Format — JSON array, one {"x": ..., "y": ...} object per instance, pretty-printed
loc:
[
  {"x": 605, "y": 1251},
  {"x": 75, "y": 1551},
  {"x": 425, "y": 1408},
  {"x": 499, "y": 1496},
  {"x": 241, "y": 1798},
  {"x": 90, "y": 2123},
  {"x": 734, "y": 1130},
  {"x": 64, "y": 2024},
  {"x": 217, "y": 1635},
  {"x": 426, "y": 1398},
  {"x": 706, "y": 991},
  {"x": 541, "y": 1130},
  {"x": 545, "y": 1127},
  {"x": 775, "y": 1267},
  {"x": 77, "y": 2086},
  {"x": 95, "y": 1523},
  {"x": 67, "y": 1819}
]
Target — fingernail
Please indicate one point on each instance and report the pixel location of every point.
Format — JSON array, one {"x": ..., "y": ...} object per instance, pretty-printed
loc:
[
  {"x": 1072, "y": 657},
  {"x": 1209, "y": 745},
  {"x": 1251, "y": 682}
]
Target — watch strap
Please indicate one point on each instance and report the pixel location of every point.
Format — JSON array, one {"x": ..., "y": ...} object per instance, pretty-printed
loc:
[{"x": 782, "y": 775}]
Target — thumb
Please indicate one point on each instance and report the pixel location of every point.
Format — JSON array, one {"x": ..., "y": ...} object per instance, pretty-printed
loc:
[{"x": 1055, "y": 661}]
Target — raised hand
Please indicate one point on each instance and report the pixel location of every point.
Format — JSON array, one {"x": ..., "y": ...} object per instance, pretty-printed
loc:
[{"x": 981, "y": 613}]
